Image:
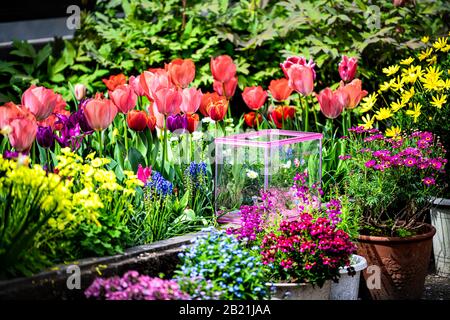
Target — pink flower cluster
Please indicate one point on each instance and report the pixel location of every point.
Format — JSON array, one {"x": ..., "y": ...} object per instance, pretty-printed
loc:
[
  {"x": 418, "y": 151},
  {"x": 308, "y": 249},
  {"x": 251, "y": 223},
  {"x": 133, "y": 286}
]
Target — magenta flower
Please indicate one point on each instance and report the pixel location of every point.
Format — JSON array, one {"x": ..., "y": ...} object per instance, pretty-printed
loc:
[
  {"x": 370, "y": 163},
  {"x": 144, "y": 174},
  {"x": 428, "y": 181}
]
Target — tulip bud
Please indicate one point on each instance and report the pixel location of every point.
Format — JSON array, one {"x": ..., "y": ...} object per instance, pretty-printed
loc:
[
  {"x": 176, "y": 122},
  {"x": 254, "y": 97},
  {"x": 45, "y": 137},
  {"x": 80, "y": 91}
]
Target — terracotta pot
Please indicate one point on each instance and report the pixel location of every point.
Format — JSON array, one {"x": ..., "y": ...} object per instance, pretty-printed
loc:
[{"x": 402, "y": 264}]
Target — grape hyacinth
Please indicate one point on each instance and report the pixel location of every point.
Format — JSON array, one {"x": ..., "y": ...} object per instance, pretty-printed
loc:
[
  {"x": 196, "y": 175},
  {"x": 159, "y": 184}
]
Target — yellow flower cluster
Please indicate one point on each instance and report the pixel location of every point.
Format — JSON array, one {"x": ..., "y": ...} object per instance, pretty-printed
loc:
[
  {"x": 95, "y": 188},
  {"x": 51, "y": 194},
  {"x": 411, "y": 83}
]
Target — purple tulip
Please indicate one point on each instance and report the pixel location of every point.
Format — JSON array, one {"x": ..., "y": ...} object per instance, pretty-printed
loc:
[
  {"x": 81, "y": 118},
  {"x": 45, "y": 137},
  {"x": 177, "y": 122}
]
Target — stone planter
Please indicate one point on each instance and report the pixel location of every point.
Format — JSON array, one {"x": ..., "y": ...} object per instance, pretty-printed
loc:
[
  {"x": 440, "y": 219},
  {"x": 299, "y": 291},
  {"x": 348, "y": 286},
  {"x": 396, "y": 266},
  {"x": 151, "y": 259}
]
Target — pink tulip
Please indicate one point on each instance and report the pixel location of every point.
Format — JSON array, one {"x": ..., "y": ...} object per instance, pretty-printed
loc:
[
  {"x": 332, "y": 103},
  {"x": 354, "y": 91},
  {"x": 8, "y": 112},
  {"x": 124, "y": 98},
  {"x": 100, "y": 113},
  {"x": 295, "y": 60},
  {"x": 152, "y": 82},
  {"x": 134, "y": 82},
  {"x": 223, "y": 68},
  {"x": 347, "y": 68},
  {"x": 23, "y": 132},
  {"x": 80, "y": 91},
  {"x": 168, "y": 101},
  {"x": 229, "y": 86},
  {"x": 144, "y": 174},
  {"x": 191, "y": 100},
  {"x": 40, "y": 101},
  {"x": 301, "y": 79},
  {"x": 254, "y": 97},
  {"x": 159, "y": 117}
]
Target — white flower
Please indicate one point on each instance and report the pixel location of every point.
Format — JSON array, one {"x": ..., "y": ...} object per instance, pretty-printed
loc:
[
  {"x": 208, "y": 120},
  {"x": 229, "y": 129},
  {"x": 197, "y": 135},
  {"x": 287, "y": 165},
  {"x": 252, "y": 174}
]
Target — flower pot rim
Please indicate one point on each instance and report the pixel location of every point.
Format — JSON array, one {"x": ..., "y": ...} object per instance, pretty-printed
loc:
[
  {"x": 360, "y": 264},
  {"x": 293, "y": 284},
  {"x": 419, "y": 237},
  {"x": 441, "y": 202}
]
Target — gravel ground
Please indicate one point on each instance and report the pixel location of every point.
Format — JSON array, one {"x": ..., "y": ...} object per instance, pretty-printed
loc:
[{"x": 436, "y": 288}]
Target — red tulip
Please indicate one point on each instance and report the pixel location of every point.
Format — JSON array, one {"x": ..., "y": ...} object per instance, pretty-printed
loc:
[
  {"x": 290, "y": 61},
  {"x": 181, "y": 72},
  {"x": 223, "y": 68},
  {"x": 135, "y": 83},
  {"x": 40, "y": 101},
  {"x": 155, "y": 119},
  {"x": 301, "y": 79},
  {"x": 229, "y": 86},
  {"x": 23, "y": 130},
  {"x": 137, "y": 120},
  {"x": 207, "y": 98},
  {"x": 114, "y": 81},
  {"x": 100, "y": 113},
  {"x": 124, "y": 98},
  {"x": 168, "y": 101},
  {"x": 279, "y": 89},
  {"x": 80, "y": 91},
  {"x": 193, "y": 121},
  {"x": 217, "y": 109},
  {"x": 332, "y": 103},
  {"x": 191, "y": 100},
  {"x": 347, "y": 68},
  {"x": 152, "y": 82},
  {"x": 252, "y": 119},
  {"x": 254, "y": 97},
  {"x": 281, "y": 114},
  {"x": 354, "y": 92}
]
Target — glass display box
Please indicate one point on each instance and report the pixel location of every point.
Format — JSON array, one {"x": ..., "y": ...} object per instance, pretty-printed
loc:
[{"x": 263, "y": 160}]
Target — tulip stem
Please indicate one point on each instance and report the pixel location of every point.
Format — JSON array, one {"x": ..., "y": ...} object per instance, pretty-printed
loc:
[
  {"x": 125, "y": 135},
  {"x": 164, "y": 146},
  {"x": 100, "y": 144},
  {"x": 306, "y": 106}
]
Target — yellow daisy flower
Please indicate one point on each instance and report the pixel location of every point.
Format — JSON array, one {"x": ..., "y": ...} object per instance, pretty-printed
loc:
[
  {"x": 383, "y": 113},
  {"x": 368, "y": 122},
  {"x": 407, "y": 95},
  {"x": 425, "y": 39},
  {"x": 425, "y": 54},
  {"x": 446, "y": 48},
  {"x": 415, "y": 113},
  {"x": 397, "y": 105},
  {"x": 368, "y": 102},
  {"x": 393, "y": 132},
  {"x": 438, "y": 102},
  {"x": 432, "y": 60},
  {"x": 407, "y": 61},
  {"x": 391, "y": 70},
  {"x": 440, "y": 43},
  {"x": 398, "y": 84},
  {"x": 412, "y": 73},
  {"x": 385, "y": 86}
]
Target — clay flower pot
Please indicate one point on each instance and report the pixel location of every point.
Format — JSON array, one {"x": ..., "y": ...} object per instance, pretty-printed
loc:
[{"x": 401, "y": 263}]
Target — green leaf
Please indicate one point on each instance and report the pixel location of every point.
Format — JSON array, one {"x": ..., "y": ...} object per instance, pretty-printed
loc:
[
  {"x": 135, "y": 158},
  {"x": 42, "y": 55}
]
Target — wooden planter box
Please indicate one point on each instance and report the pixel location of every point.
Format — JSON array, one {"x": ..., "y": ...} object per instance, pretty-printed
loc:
[{"x": 152, "y": 259}]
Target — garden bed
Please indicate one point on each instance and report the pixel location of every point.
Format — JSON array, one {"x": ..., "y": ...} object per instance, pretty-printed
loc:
[{"x": 153, "y": 259}]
